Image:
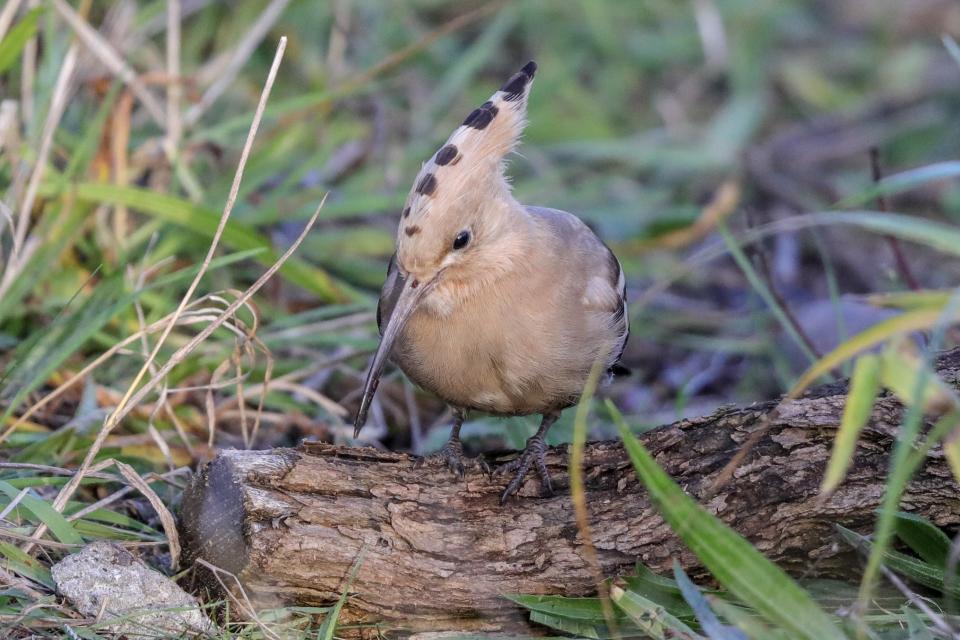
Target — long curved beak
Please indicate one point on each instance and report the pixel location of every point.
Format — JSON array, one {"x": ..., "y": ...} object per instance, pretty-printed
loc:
[{"x": 410, "y": 296}]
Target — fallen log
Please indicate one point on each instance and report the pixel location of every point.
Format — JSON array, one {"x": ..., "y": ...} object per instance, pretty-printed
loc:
[{"x": 438, "y": 553}]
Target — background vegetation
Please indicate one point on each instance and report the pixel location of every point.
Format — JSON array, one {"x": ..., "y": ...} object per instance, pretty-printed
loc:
[{"x": 722, "y": 147}]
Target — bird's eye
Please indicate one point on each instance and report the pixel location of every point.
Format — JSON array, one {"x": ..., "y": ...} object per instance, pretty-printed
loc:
[{"x": 462, "y": 240}]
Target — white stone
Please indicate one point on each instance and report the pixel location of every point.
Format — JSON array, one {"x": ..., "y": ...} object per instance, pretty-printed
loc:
[{"x": 104, "y": 579}]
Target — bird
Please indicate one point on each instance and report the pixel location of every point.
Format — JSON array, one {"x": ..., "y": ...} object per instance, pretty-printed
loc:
[{"x": 493, "y": 306}]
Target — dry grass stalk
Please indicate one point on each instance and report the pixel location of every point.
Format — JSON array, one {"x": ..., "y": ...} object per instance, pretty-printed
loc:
[
  {"x": 131, "y": 397},
  {"x": 246, "y": 607},
  {"x": 121, "y": 493},
  {"x": 57, "y": 107},
  {"x": 163, "y": 400},
  {"x": 179, "y": 356},
  {"x": 578, "y": 494},
  {"x": 110, "y": 58},
  {"x": 13, "y": 503},
  {"x": 195, "y": 314},
  {"x": 174, "y": 82},
  {"x": 166, "y": 518}
]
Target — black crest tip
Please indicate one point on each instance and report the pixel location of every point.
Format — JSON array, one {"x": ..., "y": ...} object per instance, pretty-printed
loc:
[{"x": 514, "y": 87}]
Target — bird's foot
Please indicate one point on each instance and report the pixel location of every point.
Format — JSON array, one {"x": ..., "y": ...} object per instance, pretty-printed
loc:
[
  {"x": 534, "y": 455},
  {"x": 451, "y": 456}
]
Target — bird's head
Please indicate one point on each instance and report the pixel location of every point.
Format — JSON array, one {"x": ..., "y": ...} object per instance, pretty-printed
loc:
[{"x": 459, "y": 220}]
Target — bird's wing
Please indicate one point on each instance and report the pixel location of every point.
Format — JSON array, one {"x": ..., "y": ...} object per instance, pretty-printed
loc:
[
  {"x": 619, "y": 282},
  {"x": 605, "y": 287},
  {"x": 606, "y": 291},
  {"x": 389, "y": 294}
]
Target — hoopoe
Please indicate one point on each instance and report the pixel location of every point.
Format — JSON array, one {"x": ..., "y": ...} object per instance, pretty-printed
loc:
[{"x": 491, "y": 305}]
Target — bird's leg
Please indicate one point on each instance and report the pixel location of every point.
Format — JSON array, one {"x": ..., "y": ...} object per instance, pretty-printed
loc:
[
  {"x": 451, "y": 454},
  {"x": 534, "y": 454}
]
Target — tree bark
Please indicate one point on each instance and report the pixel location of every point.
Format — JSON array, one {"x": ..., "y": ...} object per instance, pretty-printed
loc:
[{"x": 436, "y": 554}]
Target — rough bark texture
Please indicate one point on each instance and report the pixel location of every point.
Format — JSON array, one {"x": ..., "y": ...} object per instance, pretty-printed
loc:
[{"x": 438, "y": 552}]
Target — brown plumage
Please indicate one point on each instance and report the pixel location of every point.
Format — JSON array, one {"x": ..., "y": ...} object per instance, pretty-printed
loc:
[{"x": 492, "y": 305}]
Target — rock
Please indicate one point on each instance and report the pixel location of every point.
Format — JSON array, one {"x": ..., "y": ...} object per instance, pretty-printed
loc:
[{"x": 104, "y": 579}]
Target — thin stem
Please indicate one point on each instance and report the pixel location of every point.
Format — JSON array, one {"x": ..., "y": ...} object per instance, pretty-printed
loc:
[
  {"x": 903, "y": 268},
  {"x": 132, "y": 396}
]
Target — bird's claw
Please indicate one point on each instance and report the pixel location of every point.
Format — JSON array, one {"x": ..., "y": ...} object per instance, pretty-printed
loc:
[
  {"x": 534, "y": 455},
  {"x": 451, "y": 456}
]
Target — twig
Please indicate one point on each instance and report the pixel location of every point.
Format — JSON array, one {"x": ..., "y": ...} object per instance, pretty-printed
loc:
[
  {"x": 53, "y": 544},
  {"x": 765, "y": 272},
  {"x": 13, "y": 503},
  {"x": 55, "y": 471},
  {"x": 188, "y": 348},
  {"x": 918, "y": 602},
  {"x": 246, "y": 606},
  {"x": 20, "y": 583},
  {"x": 131, "y": 398},
  {"x": 317, "y": 398},
  {"x": 902, "y": 266}
]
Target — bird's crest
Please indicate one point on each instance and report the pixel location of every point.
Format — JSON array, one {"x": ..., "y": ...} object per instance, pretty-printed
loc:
[{"x": 469, "y": 166}]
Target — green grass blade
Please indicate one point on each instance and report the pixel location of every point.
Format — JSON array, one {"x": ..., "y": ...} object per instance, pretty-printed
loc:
[
  {"x": 40, "y": 356},
  {"x": 583, "y": 609},
  {"x": 203, "y": 221},
  {"x": 864, "y": 387},
  {"x": 567, "y": 625},
  {"x": 329, "y": 626},
  {"x": 83, "y": 153},
  {"x": 896, "y": 326},
  {"x": 924, "y": 538},
  {"x": 56, "y": 234},
  {"x": 913, "y": 568},
  {"x": 43, "y": 512},
  {"x": 25, "y": 565},
  {"x": 756, "y": 282},
  {"x": 732, "y": 560},
  {"x": 937, "y": 235},
  {"x": 746, "y": 620},
  {"x": 649, "y": 616},
  {"x": 12, "y": 44},
  {"x": 900, "y": 182},
  {"x": 708, "y": 620},
  {"x": 924, "y": 298}
]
